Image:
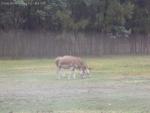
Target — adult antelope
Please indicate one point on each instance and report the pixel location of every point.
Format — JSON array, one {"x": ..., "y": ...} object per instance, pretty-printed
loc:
[{"x": 73, "y": 63}]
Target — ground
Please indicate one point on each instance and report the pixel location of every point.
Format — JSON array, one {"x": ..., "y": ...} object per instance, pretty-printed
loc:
[{"x": 119, "y": 84}]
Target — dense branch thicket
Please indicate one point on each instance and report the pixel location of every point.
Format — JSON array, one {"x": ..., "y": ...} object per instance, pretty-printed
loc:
[{"x": 107, "y": 16}]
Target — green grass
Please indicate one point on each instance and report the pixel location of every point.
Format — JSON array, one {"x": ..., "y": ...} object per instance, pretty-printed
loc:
[{"x": 119, "y": 84}]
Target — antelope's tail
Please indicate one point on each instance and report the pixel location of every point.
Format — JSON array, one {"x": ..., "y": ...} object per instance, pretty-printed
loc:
[{"x": 57, "y": 61}]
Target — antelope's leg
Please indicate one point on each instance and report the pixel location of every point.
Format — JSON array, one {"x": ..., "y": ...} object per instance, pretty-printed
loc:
[
  {"x": 87, "y": 72},
  {"x": 81, "y": 73},
  {"x": 69, "y": 76},
  {"x": 74, "y": 74},
  {"x": 59, "y": 73},
  {"x": 63, "y": 74}
]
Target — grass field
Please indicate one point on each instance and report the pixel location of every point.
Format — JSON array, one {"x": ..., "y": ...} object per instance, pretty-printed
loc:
[{"x": 119, "y": 84}]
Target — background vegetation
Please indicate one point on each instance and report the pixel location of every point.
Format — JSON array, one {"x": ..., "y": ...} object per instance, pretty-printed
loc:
[
  {"x": 108, "y": 16},
  {"x": 79, "y": 27}
]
